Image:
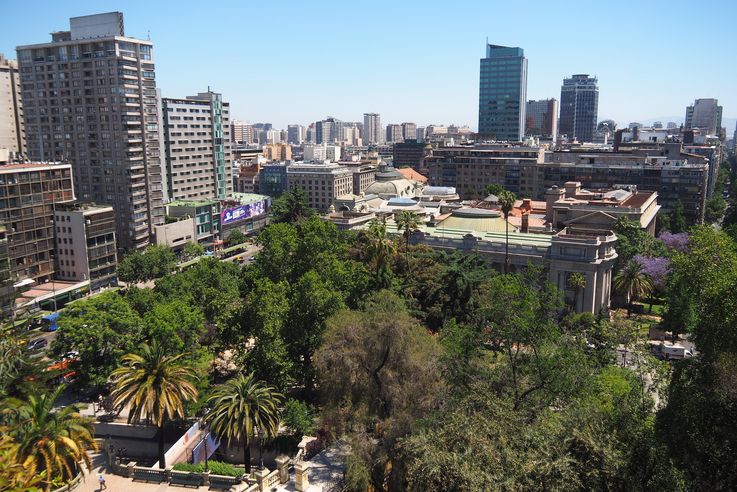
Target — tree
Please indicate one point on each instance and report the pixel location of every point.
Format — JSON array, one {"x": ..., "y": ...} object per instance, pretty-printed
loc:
[
  {"x": 50, "y": 441},
  {"x": 154, "y": 386},
  {"x": 100, "y": 329},
  {"x": 313, "y": 302},
  {"x": 714, "y": 208},
  {"x": 264, "y": 319},
  {"x": 239, "y": 407},
  {"x": 407, "y": 221},
  {"x": 299, "y": 418},
  {"x": 236, "y": 237},
  {"x": 677, "y": 219},
  {"x": 461, "y": 279},
  {"x": 632, "y": 241},
  {"x": 291, "y": 207},
  {"x": 13, "y": 475},
  {"x": 380, "y": 367},
  {"x": 494, "y": 189},
  {"x": 177, "y": 325},
  {"x": 154, "y": 262},
  {"x": 506, "y": 200},
  {"x": 576, "y": 282},
  {"x": 380, "y": 250},
  {"x": 193, "y": 250},
  {"x": 631, "y": 282}
]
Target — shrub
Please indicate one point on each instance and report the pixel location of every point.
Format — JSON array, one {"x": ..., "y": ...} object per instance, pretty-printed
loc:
[
  {"x": 216, "y": 468},
  {"x": 298, "y": 417}
]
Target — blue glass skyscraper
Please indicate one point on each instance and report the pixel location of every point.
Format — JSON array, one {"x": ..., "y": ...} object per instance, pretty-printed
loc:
[{"x": 502, "y": 93}]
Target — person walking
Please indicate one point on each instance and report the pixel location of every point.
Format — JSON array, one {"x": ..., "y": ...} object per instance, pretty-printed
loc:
[{"x": 101, "y": 479}]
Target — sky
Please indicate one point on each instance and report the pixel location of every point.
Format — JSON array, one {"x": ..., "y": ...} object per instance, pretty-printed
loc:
[{"x": 298, "y": 61}]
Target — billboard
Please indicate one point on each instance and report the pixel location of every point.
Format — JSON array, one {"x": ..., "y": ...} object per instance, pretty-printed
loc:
[{"x": 242, "y": 212}]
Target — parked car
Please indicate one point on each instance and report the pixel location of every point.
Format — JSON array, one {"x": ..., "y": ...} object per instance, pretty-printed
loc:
[{"x": 37, "y": 344}]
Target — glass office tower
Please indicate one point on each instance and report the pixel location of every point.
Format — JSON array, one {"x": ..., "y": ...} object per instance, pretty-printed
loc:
[{"x": 502, "y": 93}]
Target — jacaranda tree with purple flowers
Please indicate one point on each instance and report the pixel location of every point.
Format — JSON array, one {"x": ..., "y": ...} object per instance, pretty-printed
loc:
[{"x": 675, "y": 242}]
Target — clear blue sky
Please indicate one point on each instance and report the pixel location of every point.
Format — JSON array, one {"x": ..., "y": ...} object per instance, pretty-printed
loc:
[{"x": 298, "y": 61}]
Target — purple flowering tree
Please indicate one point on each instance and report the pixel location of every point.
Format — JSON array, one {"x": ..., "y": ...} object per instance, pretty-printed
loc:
[
  {"x": 655, "y": 268},
  {"x": 675, "y": 242}
]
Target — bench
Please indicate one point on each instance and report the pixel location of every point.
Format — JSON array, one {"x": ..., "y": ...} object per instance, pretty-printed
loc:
[
  {"x": 144, "y": 474},
  {"x": 223, "y": 482},
  {"x": 184, "y": 478}
]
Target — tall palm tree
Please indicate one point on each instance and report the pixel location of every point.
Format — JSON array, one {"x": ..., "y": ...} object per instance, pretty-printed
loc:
[
  {"x": 50, "y": 442},
  {"x": 506, "y": 200},
  {"x": 154, "y": 386},
  {"x": 633, "y": 283},
  {"x": 407, "y": 221},
  {"x": 577, "y": 282},
  {"x": 380, "y": 249},
  {"x": 241, "y": 405}
]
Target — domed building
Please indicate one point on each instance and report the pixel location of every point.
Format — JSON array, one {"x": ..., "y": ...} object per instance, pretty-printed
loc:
[{"x": 390, "y": 183}]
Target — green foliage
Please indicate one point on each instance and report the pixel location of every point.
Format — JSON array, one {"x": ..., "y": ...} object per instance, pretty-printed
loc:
[
  {"x": 632, "y": 282},
  {"x": 264, "y": 317},
  {"x": 211, "y": 285},
  {"x": 236, "y": 237},
  {"x": 632, "y": 241},
  {"x": 291, "y": 207},
  {"x": 714, "y": 209},
  {"x": 239, "y": 408},
  {"x": 154, "y": 262},
  {"x": 299, "y": 418},
  {"x": 101, "y": 329},
  {"x": 50, "y": 441},
  {"x": 493, "y": 189},
  {"x": 176, "y": 324},
  {"x": 213, "y": 466},
  {"x": 193, "y": 250},
  {"x": 678, "y": 219}
]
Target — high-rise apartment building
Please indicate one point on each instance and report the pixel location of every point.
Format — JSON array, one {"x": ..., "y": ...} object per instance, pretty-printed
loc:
[
  {"x": 85, "y": 244},
  {"x": 241, "y": 133},
  {"x": 394, "y": 133},
  {"x": 421, "y": 133},
  {"x": 705, "y": 114},
  {"x": 30, "y": 193},
  {"x": 295, "y": 134},
  {"x": 409, "y": 131},
  {"x": 542, "y": 119},
  {"x": 89, "y": 97},
  {"x": 373, "y": 133},
  {"x": 12, "y": 130},
  {"x": 502, "y": 93},
  {"x": 197, "y": 144},
  {"x": 579, "y": 107}
]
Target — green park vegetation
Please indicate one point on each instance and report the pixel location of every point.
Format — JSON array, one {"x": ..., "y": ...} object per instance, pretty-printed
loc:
[{"x": 439, "y": 371}]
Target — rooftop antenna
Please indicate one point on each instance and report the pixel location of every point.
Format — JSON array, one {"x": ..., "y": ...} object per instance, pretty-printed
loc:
[{"x": 148, "y": 35}]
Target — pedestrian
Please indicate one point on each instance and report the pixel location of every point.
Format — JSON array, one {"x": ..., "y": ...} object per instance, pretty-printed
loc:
[{"x": 101, "y": 479}]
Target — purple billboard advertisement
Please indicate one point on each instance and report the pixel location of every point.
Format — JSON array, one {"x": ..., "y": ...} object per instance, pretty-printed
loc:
[{"x": 235, "y": 214}]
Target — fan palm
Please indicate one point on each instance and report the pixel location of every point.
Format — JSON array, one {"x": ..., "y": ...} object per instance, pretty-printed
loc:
[
  {"x": 633, "y": 283},
  {"x": 154, "y": 386},
  {"x": 506, "y": 200},
  {"x": 49, "y": 442},
  {"x": 241, "y": 405}
]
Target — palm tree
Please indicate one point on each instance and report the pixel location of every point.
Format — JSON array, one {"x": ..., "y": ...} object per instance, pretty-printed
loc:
[
  {"x": 408, "y": 221},
  {"x": 506, "y": 200},
  {"x": 241, "y": 405},
  {"x": 577, "y": 282},
  {"x": 154, "y": 386},
  {"x": 380, "y": 250},
  {"x": 633, "y": 283},
  {"x": 48, "y": 441}
]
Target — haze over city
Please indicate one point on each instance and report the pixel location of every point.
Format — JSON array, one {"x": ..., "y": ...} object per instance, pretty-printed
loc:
[{"x": 411, "y": 61}]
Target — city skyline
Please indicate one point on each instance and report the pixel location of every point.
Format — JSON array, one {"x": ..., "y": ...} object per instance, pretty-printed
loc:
[{"x": 400, "y": 89}]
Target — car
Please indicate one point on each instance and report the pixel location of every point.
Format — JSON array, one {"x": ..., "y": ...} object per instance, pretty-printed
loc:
[{"x": 37, "y": 344}]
